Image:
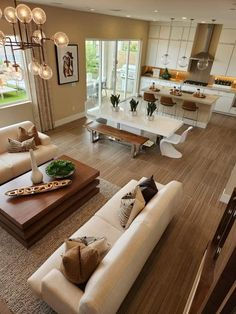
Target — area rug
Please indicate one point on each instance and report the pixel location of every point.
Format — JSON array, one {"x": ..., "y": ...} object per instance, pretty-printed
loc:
[{"x": 17, "y": 263}]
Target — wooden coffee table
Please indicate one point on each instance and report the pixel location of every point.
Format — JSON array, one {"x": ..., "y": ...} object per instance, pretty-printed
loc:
[{"x": 29, "y": 218}]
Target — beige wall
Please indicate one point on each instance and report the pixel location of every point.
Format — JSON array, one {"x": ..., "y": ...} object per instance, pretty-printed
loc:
[{"x": 67, "y": 99}]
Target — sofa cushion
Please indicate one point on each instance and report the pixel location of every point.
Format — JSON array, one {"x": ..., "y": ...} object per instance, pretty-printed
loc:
[
  {"x": 15, "y": 146},
  {"x": 79, "y": 262},
  {"x": 11, "y": 132},
  {"x": 131, "y": 205},
  {"x": 96, "y": 227},
  {"x": 24, "y": 134},
  {"x": 110, "y": 211},
  {"x": 6, "y": 172},
  {"x": 20, "y": 162},
  {"x": 148, "y": 188}
]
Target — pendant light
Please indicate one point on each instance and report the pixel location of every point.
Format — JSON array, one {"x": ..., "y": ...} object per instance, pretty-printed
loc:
[
  {"x": 183, "y": 61},
  {"x": 165, "y": 59}
]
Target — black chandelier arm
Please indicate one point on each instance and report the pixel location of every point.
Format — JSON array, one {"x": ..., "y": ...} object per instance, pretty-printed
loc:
[{"x": 12, "y": 50}]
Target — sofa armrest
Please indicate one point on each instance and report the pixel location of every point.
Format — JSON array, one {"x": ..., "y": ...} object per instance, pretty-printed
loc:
[
  {"x": 60, "y": 294},
  {"x": 45, "y": 139}
]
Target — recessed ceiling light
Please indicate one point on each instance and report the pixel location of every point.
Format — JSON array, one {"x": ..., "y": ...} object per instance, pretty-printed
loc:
[
  {"x": 128, "y": 15},
  {"x": 232, "y": 9},
  {"x": 184, "y": 18},
  {"x": 156, "y": 11},
  {"x": 203, "y": 22},
  {"x": 91, "y": 9}
]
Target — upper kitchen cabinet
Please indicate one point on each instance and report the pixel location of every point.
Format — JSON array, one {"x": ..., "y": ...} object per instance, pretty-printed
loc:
[
  {"x": 225, "y": 58},
  {"x": 231, "y": 71},
  {"x": 158, "y": 42},
  {"x": 222, "y": 59}
]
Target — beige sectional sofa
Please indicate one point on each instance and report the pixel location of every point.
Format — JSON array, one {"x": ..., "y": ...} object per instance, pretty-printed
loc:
[
  {"x": 111, "y": 281},
  {"x": 15, "y": 164}
]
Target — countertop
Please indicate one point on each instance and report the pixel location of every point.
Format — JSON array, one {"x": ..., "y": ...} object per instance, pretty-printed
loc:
[
  {"x": 165, "y": 91},
  {"x": 220, "y": 89}
]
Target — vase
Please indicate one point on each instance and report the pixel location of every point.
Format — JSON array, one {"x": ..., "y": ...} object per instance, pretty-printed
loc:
[{"x": 36, "y": 174}]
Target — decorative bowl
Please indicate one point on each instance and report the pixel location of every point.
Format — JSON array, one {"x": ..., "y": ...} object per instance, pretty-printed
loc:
[{"x": 60, "y": 169}]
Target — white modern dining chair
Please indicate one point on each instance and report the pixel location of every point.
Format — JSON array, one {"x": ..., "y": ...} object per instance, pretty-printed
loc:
[{"x": 166, "y": 144}]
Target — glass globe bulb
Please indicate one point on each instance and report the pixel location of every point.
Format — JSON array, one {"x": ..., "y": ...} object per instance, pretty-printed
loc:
[
  {"x": 61, "y": 39},
  {"x": 39, "y": 16},
  {"x": 45, "y": 72},
  {"x": 37, "y": 36},
  {"x": 202, "y": 64},
  {"x": 17, "y": 73},
  {"x": 2, "y": 39},
  {"x": 34, "y": 67},
  {"x": 24, "y": 14},
  {"x": 183, "y": 62},
  {"x": 165, "y": 59},
  {"x": 10, "y": 15}
]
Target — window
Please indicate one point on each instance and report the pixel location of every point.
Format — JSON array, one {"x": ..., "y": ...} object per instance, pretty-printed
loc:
[
  {"x": 13, "y": 91},
  {"x": 112, "y": 67}
]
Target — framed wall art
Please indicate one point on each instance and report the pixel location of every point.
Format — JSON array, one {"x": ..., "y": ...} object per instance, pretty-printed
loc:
[{"x": 67, "y": 64}]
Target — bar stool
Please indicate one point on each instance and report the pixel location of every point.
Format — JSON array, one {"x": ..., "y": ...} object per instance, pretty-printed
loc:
[
  {"x": 190, "y": 106},
  {"x": 167, "y": 102}
]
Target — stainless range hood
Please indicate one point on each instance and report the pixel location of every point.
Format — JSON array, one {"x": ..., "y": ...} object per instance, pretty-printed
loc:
[{"x": 207, "y": 38}]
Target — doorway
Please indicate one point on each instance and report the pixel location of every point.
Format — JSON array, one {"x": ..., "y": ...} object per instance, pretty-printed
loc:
[{"x": 112, "y": 67}]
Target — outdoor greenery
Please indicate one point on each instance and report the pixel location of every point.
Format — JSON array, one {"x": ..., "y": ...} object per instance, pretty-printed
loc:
[
  {"x": 13, "y": 97},
  {"x": 92, "y": 61}
]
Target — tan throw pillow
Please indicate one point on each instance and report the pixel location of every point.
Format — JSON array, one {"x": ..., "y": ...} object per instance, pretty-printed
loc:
[
  {"x": 18, "y": 147},
  {"x": 23, "y": 134},
  {"x": 100, "y": 244},
  {"x": 79, "y": 263},
  {"x": 131, "y": 205}
]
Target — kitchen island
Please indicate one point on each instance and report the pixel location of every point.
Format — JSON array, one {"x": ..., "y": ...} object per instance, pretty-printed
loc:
[{"x": 205, "y": 105}]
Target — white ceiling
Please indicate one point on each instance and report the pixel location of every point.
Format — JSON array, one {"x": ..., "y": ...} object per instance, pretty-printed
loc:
[{"x": 224, "y": 11}]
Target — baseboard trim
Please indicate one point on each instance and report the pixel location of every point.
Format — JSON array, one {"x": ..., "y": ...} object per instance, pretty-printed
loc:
[
  {"x": 225, "y": 198},
  {"x": 70, "y": 119}
]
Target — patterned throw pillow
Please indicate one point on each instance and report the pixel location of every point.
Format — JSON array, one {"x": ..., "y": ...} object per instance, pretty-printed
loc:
[
  {"x": 24, "y": 135},
  {"x": 17, "y": 147},
  {"x": 131, "y": 205}
]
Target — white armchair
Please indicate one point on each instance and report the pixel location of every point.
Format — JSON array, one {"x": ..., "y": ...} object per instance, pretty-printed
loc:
[{"x": 166, "y": 144}]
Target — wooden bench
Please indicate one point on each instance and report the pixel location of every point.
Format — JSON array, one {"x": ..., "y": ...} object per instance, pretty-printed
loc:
[{"x": 96, "y": 129}]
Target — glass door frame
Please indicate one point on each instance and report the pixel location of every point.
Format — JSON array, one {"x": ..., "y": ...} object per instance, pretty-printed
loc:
[{"x": 138, "y": 65}]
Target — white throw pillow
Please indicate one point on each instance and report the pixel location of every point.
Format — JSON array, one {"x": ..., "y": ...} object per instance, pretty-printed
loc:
[{"x": 131, "y": 205}]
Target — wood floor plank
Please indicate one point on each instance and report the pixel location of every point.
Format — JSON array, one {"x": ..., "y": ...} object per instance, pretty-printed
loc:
[{"x": 209, "y": 155}]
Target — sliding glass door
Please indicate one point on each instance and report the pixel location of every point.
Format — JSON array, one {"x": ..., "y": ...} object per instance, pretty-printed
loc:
[{"x": 112, "y": 67}]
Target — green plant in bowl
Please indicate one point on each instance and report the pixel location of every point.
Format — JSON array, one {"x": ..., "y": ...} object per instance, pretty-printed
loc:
[{"x": 60, "y": 169}]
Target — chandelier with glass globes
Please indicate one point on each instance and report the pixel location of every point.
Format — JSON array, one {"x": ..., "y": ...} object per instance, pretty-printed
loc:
[{"x": 20, "y": 17}]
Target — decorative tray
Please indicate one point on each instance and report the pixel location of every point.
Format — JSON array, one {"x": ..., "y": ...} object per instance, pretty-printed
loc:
[
  {"x": 41, "y": 188},
  {"x": 199, "y": 95},
  {"x": 176, "y": 93}
]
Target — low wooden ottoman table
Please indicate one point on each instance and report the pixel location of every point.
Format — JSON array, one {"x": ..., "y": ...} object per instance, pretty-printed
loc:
[{"x": 29, "y": 218}]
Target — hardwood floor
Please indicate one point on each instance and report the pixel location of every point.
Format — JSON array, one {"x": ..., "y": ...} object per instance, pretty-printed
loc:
[{"x": 208, "y": 158}]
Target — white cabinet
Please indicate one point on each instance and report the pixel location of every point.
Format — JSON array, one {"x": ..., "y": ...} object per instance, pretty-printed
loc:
[
  {"x": 222, "y": 59},
  {"x": 152, "y": 52},
  {"x": 174, "y": 53},
  {"x": 225, "y": 102},
  {"x": 228, "y": 36},
  {"x": 232, "y": 64},
  {"x": 161, "y": 50}
]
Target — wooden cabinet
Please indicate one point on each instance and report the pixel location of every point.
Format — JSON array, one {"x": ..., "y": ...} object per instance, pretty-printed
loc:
[{"x": 222, "y": 59}]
